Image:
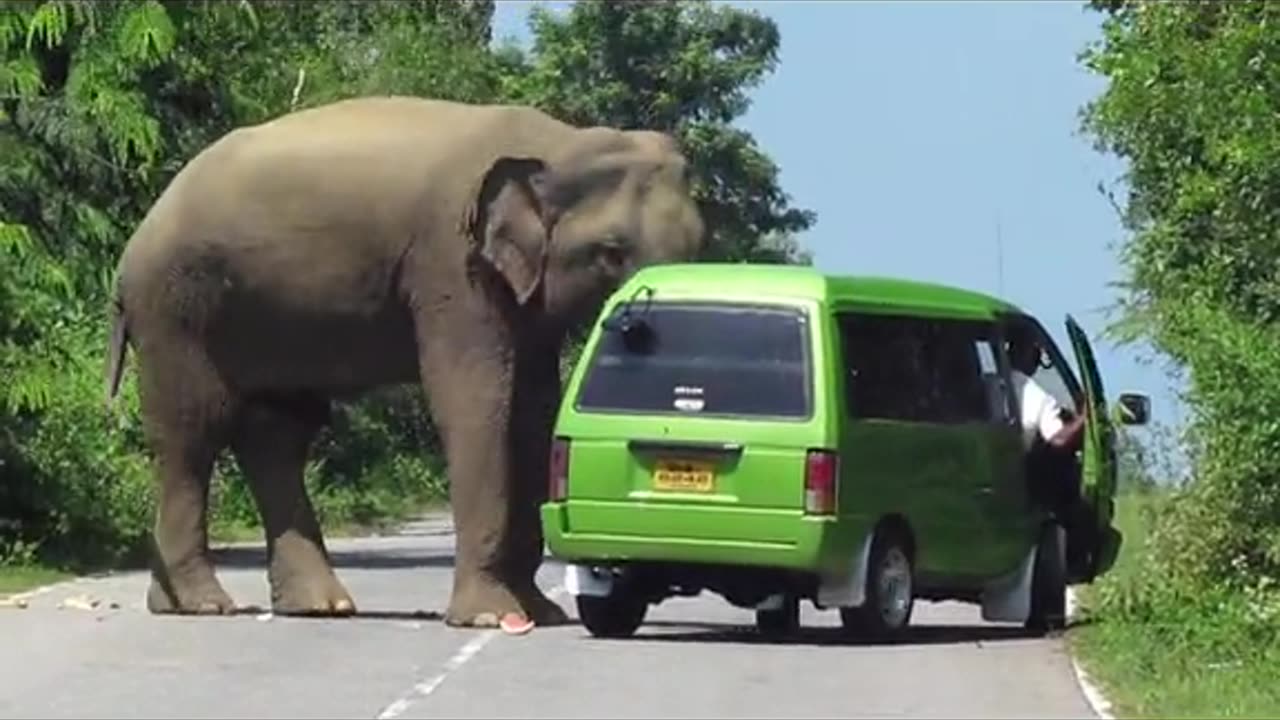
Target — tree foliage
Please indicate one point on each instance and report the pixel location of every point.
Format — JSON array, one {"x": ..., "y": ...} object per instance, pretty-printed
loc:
[
  {"x": 103, "y": 101},
  {"x": 681, "y": 67},
  {"x": 1193, "y": 93}
]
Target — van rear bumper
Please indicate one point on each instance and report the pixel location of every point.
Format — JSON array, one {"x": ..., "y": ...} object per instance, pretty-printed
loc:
[{"x": 602, "y": 532}]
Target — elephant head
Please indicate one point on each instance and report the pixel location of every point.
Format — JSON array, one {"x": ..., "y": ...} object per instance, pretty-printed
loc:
[{"x": 567, "y": 229}]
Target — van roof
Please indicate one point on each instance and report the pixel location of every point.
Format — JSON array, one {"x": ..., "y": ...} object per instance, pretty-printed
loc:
[{"x": 756, "y": 280}]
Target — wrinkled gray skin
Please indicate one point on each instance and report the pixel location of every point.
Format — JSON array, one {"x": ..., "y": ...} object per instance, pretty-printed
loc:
[{"x": 370, "y": 242}]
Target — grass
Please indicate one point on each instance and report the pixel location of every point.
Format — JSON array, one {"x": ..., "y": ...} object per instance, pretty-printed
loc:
[
  {"x": 17, "y": 579},
  {"x": 1199, "y": 660}
]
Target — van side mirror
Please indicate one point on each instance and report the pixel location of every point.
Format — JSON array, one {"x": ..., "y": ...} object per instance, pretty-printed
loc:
[{"x": 1133, "y": 408}]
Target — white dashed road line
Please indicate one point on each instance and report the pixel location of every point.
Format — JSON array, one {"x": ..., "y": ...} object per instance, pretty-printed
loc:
[
  {"x": 460, "y": 658},
  {"x": 428, "y": 686}
]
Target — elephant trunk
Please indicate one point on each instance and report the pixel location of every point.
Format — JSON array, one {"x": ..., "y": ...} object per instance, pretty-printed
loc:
[{"x": 116, "y": 349}]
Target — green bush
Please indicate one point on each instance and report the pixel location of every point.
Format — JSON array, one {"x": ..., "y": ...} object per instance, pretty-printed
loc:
[
  {"x": 1190, "y": 106},
  {"x": 1225, "y": 526},
  {"x": 75, "y": 486}
]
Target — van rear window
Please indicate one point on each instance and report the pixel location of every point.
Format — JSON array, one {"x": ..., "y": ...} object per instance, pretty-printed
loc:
[{"x": 703, "y": 360}]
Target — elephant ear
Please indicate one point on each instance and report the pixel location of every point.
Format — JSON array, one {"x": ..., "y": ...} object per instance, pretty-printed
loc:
[{"x": 506, "y": 221}]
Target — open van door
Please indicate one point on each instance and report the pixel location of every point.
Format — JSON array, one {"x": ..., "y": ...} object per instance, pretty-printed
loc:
[{"x": 1098, "y": 540}]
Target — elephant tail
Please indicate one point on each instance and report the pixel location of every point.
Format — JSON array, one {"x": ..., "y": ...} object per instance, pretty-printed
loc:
[{"x": 116, "y": 350}]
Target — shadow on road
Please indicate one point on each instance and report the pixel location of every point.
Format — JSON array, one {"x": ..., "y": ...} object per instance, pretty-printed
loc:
[
  {"x": 828, "y": 636},
  {"x": 396, "y": 615},
  {"x": 250, "y": 557}
]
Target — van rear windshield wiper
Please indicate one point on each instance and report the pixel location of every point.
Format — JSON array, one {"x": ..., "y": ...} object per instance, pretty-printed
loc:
[{"x": 637, "y": 333}]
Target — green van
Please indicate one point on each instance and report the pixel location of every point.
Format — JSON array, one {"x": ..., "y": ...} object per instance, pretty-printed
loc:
[{"x": 773, "y": 434}]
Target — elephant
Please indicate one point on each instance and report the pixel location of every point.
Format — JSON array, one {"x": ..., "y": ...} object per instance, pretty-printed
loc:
[{"x": 371, "y": 241}]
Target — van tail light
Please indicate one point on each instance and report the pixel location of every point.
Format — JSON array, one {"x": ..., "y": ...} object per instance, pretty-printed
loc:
[
  {"x": 558, "y": 481},
  {"x": 821, "y": 476}
]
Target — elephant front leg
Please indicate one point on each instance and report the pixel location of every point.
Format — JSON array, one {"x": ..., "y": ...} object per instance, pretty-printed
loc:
[
  {"x": 468, "y": 386},
  {"x": 271, "y": 442},
  {"x": 537, "y": 397},
  {"x": 483, "y": 591}
]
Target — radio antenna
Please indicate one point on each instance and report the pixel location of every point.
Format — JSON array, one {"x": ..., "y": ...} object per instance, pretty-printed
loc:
[{"x": 999, "y": 259}]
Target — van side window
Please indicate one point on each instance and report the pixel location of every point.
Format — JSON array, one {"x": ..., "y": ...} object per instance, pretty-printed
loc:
[
  {"x": 986, "y": 357},
  {"x": 996, "y": 391},
  {"x": 886, "y": 375},
  {"x": 963, "y": 354},
  {"x": 920, "y": 369}
]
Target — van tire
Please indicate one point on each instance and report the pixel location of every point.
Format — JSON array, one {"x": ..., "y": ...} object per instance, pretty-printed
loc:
[
  {"x": 1048, "y": 587},
  {"x": 780, "y": 623},
  {"x": 618, "y": 615},
  {"x": 889, "y": 564}
]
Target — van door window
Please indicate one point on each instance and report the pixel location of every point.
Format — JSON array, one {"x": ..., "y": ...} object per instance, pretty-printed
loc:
[{"x": 1049, "y": 375}]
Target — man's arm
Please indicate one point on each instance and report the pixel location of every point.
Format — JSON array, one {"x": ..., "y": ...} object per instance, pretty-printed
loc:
[
  {"x": 1052, "y": 422},
  {"x": 1070, "y": 435}
]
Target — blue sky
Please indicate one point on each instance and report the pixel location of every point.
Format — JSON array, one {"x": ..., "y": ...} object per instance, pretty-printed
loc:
[{"x": 915, "y": 129}]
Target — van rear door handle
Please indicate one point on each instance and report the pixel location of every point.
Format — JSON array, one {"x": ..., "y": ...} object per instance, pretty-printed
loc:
[
  {"x": 985, "y": 490},
  {"x": 685, "y": 446}
]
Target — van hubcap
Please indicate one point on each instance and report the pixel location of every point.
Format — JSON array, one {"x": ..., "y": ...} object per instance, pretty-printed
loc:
[{"x": 895, "y": 587}]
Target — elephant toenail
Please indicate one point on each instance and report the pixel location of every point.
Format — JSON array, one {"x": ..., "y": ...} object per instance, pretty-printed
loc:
[
  {"x": 516, "y": 624},
  {"x": 487, "y": 619}
]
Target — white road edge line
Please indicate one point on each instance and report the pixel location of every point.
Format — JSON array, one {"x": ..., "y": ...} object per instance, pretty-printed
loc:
[
  {"x": 460, "y": 658},
  {"x": 1098, "y": 702},
  {"x": 33, "y": 593}
]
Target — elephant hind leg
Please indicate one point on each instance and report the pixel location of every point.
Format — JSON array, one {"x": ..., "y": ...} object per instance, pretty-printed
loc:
[
  {"x": 184, "y": 408},
  {"x": 271, "y": 439}
]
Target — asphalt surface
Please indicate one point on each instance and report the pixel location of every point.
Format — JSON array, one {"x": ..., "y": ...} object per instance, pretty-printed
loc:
[{"x": 695, "y": 657}]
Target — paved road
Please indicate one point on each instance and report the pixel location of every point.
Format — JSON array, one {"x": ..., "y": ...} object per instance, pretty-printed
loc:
[{"x": 696, "y": 657}]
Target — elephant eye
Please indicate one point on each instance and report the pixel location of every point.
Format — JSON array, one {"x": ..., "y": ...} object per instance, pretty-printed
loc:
[{"x": 611, "y": 252}]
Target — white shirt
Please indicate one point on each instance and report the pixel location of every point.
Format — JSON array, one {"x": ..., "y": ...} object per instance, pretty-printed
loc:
[{"x": 1039, "y": 410}]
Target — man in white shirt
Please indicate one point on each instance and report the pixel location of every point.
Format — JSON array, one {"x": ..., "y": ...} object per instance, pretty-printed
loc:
[
  {"x": 1041, "y": 414},
  {"x": 1051, "y": 435}
]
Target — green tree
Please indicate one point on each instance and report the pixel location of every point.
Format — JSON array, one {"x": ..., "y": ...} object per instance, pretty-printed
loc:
[
  {"x": 1193, "y": 92},
  {"x": 682, "y": 67}
]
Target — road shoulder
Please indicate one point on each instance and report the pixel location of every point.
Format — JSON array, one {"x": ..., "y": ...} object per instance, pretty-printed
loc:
[{"x": 1098, "y": 702}]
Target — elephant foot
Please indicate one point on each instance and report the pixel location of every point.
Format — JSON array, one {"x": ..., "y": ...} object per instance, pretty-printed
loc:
[
  {"x": 324, "y": 598},
  {"x": 205, "y": 598},
  {"x": 542, "y": 609},
  {"x": 483, "y": 604}
]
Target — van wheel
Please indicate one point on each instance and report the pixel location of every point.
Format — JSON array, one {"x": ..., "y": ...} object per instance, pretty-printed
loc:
[
  {"x": 890, "y": 591},
  {"x": 780, "y": 623},
  {"x": 618, "y": 615},
  {"x": 1048, "y": 587}
]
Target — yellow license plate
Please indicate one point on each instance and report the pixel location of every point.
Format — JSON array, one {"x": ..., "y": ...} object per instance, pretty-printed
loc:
[{"x": 684, "y": 476}]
